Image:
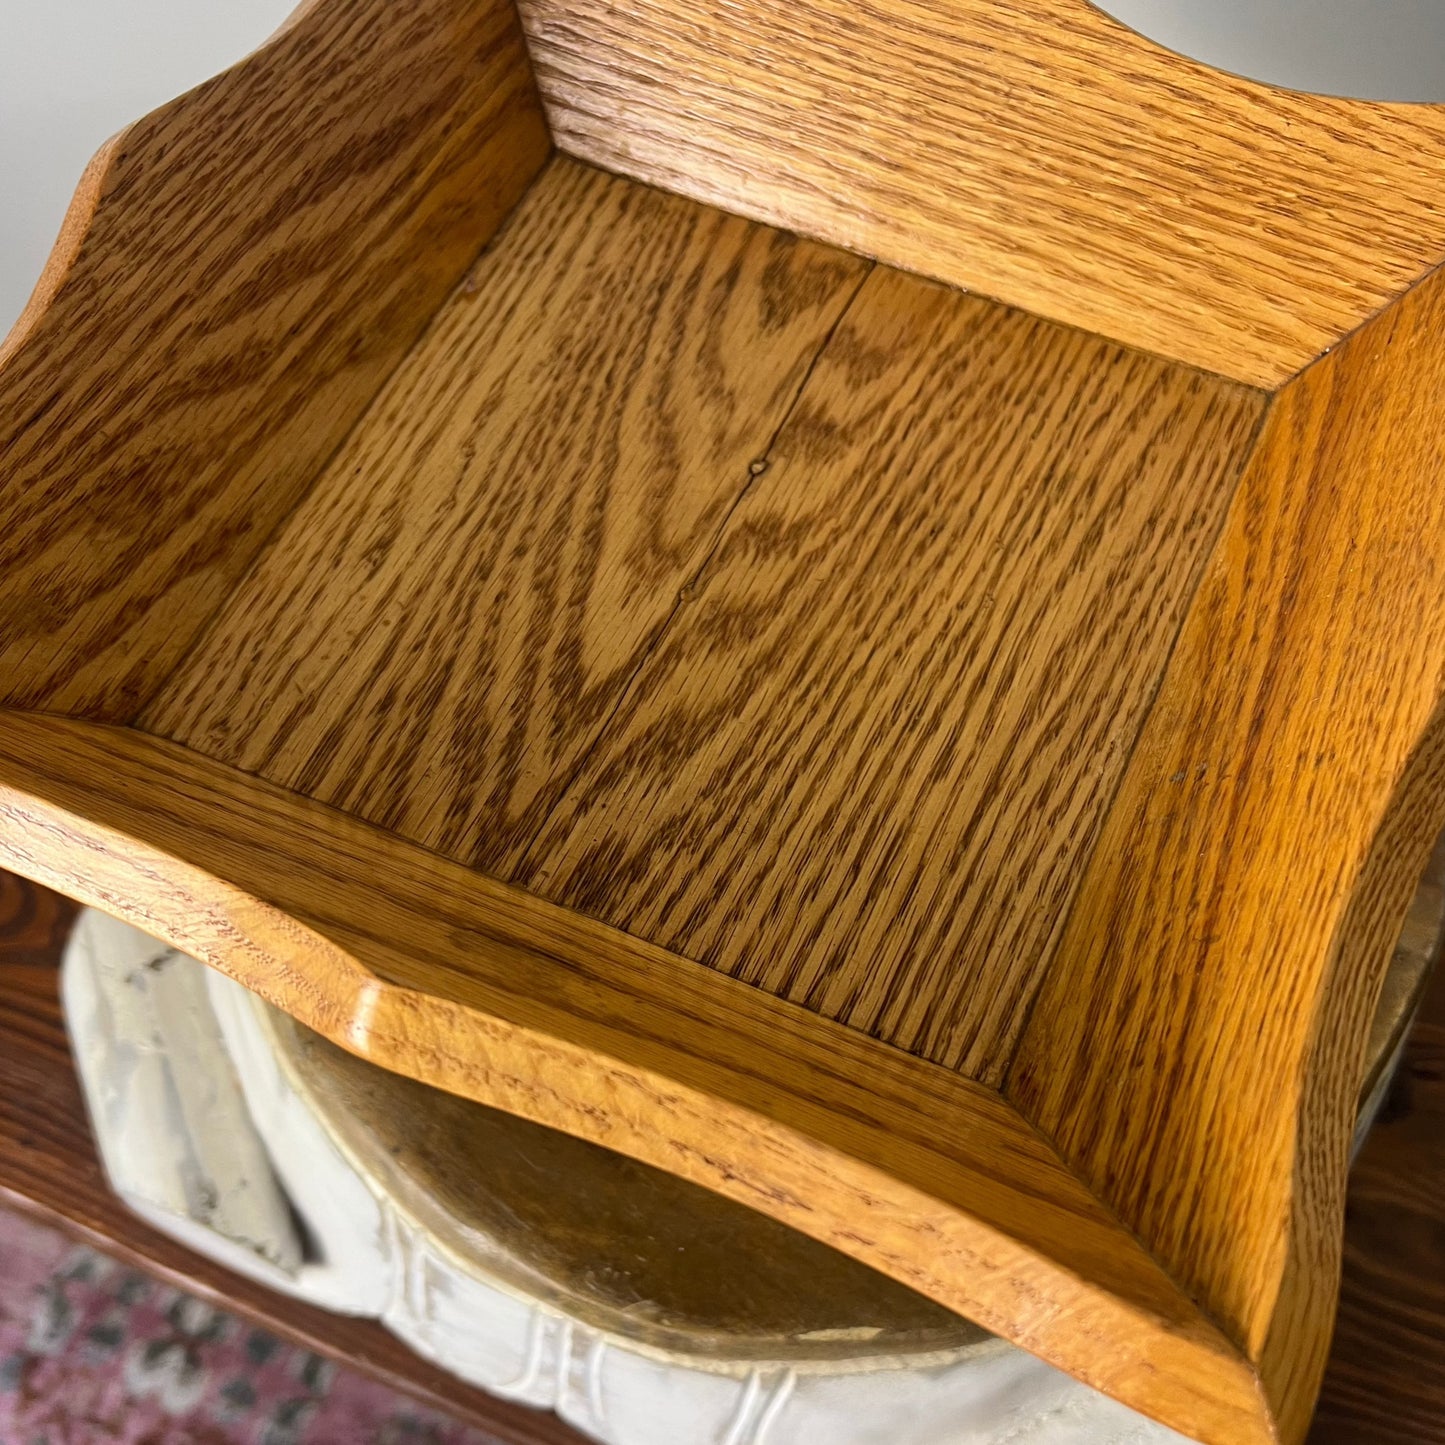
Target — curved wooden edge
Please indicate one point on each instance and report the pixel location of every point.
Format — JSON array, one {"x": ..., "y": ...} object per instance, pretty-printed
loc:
[
  {"x": 65, "y": 251},
  {"x": 1197, "y": 1049},
  {"x": 562, "y": 1219},
  {"x": 1334, "y": 1063},
  {"x": 1231, "y": 71},
  {"x": 434, "y": 971},
  {"x": 236, "y": 275},
  {"x": 1037, "y": 151},
  {"x": 75, "y": 225},
  {"x": 1407, "y": 981}
]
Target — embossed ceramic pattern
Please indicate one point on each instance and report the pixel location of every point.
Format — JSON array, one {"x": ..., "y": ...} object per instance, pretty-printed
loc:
[{"x": 130, "y": 999}]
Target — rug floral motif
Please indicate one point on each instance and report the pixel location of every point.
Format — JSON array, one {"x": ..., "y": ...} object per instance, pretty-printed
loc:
[{"x": 95, "y": 1353}]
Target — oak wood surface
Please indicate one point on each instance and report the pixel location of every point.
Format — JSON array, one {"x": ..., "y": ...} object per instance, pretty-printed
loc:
[
  {"x": 863, "y": 766},
  {"x": 841, "y": 630},
  {"x": 1034, "y": 150},
  {"x": 431, "y": 969},
  {"x": 238, "y": 274},
  {"x": 796, "y": 619},
  {"x": 1385, "y": 1383},
  {"x": 49, "y": 1168},
  {"x": 1227, "y": 945},
  {"x": 445, "y": 624}
]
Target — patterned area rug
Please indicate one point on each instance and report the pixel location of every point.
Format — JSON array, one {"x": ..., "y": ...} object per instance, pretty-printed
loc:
[{"x": 92, "y": 1352}]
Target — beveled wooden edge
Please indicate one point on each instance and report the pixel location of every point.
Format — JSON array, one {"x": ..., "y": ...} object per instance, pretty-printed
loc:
[
  {"x": 64, "y": 252},
  {"x": 427, "y": 968},
  {"x": 80, "y": 211},
  {"x": 235, "y": 276},
  {"x": 1197, "y": 1049},
  {"x": 491, "y": 1223},
  {"x": 89, "y": 190}
]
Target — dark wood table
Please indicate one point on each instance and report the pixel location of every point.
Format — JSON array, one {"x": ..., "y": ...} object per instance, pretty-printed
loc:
[
  {"x": 1386, "y": 1381},
  {"x": 49, "y": 1168}
]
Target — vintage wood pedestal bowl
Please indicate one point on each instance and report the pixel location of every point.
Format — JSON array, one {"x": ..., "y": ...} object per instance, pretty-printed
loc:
[{"x": 945, "y": 772}]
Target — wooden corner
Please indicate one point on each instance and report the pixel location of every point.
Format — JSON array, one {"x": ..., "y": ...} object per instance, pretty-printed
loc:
[
  {"x": 1197, "y": 1049},
  {"x": 238, "y": 273},
  {"x": 1037, "y": 151},
  {"x": 957, "y": 777}
]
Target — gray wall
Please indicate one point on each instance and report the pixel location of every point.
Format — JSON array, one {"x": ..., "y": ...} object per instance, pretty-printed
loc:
[{"x": 1380, "y": 49}]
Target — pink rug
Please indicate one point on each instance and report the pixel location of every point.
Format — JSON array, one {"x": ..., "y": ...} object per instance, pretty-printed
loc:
[{"x": 92, "y": 1352}]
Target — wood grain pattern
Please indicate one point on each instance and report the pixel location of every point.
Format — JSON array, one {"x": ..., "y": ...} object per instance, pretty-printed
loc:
[
  {"x": 34, "y": 922},
  {"x": 1386, "y": 1378},
  {"x": 48, "y": 1168},
  {"x": 1226, "y": 947},
  {"x": 239, "y": 272},
  {"x": 430, "y": 969},
  {"x": 1034, "y": 150},
  {"x": 802, "y": 617},
  {"x": 863, "y": 767},
  {"x": 446, "y": 623}
]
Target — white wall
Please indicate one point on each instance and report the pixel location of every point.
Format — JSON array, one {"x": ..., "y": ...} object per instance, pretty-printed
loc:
[
  {"x": 72, "y": 73},
  {"x": 1380, "y": 49}
]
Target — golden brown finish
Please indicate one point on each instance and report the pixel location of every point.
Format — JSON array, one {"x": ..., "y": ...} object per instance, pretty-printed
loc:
[
  {"x": 1034, "y": 150},
  {"x": 1231, "y": 935},
  {"x": 436, "y": 644},
  {"x": 443, "y": 627},
  {"x": 431, "y": 969},
  {"x": 238, "y": 274},
  {"x": 863, "y": 768},
  {"x": 1046, "y": 736}
]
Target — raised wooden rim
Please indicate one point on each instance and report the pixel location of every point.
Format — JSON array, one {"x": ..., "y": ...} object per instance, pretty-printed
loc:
[
  {"x": 1238, "y": 915},
  {"x": 519, "y": 1004},
  {"x": 499, "y": 997},
  {"x": 1042, "y": 152}
]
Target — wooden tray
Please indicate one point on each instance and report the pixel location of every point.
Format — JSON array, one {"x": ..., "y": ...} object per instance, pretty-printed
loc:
[{"x": 948, "y": 773}]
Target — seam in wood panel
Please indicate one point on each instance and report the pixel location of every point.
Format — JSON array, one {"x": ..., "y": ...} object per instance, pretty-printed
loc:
[
  {"x": 543, "y": 469},
  {"x": 821, "y": 237},
  {"x": 1001, "y": 1076},
  {"x": 138, "y": 715},
  {"x": 1327, "y": 197},
  {"x": 747, "y": 938},
  {"x": 757, "y": 470}
]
